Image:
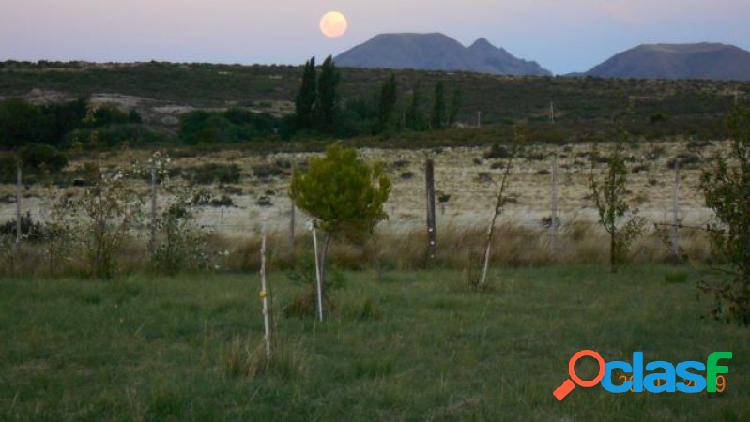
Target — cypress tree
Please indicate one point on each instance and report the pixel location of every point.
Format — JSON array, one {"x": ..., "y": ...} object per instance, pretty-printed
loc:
[
  {"x": 327, "y": 99},
  {"x": 455, "y": 107},
  {"x": 306, "y": 97},
  {"x": 387, "y": 105},
  {"x": 438, "y": 111},
  {"x": 414, "y": 119}
]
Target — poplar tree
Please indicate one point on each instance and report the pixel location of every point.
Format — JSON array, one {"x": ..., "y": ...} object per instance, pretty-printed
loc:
[
  {"x": 438, "y": 110},
  {"x": 414, "y": 119},
  {"x": 387, "y": 105},
  {"x": 455, "y": 107},
  {"x": 327, "y": 103},
  {"x": 305, "y": 104}
]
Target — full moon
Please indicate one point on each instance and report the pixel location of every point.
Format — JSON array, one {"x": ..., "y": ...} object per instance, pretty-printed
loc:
[{"x": 333, "y": 24}]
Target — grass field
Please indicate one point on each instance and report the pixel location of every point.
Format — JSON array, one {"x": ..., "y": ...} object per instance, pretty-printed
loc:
[{"x": 410, "y": 346}]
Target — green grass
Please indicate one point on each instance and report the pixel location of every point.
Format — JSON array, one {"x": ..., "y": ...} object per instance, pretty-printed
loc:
[{"x": 414, "y": 346}]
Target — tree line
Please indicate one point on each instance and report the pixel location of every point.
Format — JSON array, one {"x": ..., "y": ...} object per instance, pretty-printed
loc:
[{"x": 318, "y": 107}]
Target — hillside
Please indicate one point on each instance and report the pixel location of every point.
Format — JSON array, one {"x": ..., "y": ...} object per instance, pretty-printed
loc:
[
  {"x": 436, "y": 52},
  {"x": 711, "y": 61},
  {"x": 162, "y": 91}
]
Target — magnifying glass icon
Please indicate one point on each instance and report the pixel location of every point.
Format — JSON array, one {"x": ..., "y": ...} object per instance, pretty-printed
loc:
[{"x": 570, "y": 384}]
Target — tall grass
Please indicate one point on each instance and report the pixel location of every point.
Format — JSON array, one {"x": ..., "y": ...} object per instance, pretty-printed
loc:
[{"x": 513, "y": 246}]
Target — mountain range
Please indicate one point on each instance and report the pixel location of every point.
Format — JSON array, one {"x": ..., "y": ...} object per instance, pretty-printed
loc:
[
  {"x": 711, "y": 61},
  {"x": 436, "y": 52}
]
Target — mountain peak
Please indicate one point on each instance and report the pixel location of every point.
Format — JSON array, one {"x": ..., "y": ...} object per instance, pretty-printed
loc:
[
  {"x": 482, "y": 43},
  {"x": 435, "y": 51}
]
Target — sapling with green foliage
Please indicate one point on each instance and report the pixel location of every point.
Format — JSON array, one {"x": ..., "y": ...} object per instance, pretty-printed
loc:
[
  {"x": 726, "y": 187},
  {"x": 343, "y": 194},
  {"x": 610, "y": 197}
]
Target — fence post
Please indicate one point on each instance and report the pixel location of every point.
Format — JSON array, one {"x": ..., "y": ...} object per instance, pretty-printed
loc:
[
  {"x": 552, "y": 111},
  {"x": 19, "y": 198},
  {"x": 152, "y": 243},
  {"x": 431, "y": 218},
  {"x": 555, "y": 206},
  {"x": 676, "y": 211},
  {"x": 264, "y": 293},
  {"x": 292, "y": 218}
]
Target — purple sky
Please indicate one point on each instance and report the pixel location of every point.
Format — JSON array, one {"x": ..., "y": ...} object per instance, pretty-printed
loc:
[{"x": 562, "y": 35}]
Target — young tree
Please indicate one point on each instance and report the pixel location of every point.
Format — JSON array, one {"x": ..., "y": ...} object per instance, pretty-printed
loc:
[
  {"x": 455, "y": 107},
  {"x": 387, "y": 104},
  {"x": 438, "y": 110},
  {"x": 727, "y": 190},
  {"x": 305, "y": 104},
  {"x": 609, "y": 196},
  {"x": 500, "y": 201},
  {"x": 327, "y": 104},
  {"x": 344, "y": 195}
]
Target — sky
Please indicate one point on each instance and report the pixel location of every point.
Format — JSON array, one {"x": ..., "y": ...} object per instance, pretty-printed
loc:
[{"x": 562, "y": 35}]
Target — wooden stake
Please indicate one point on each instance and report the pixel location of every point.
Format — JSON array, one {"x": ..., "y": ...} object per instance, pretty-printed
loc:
[
  {"x": 152, "y": 243},
  {"x": 552, "y": 112},
  {"x": 431, "y": 217},
  {"x": 19, "y": 198},
  {"x": 264, "y": 293},
  {"x": 292, "y": 218},
  {"x": 318, "y": 277},
  {"x": 676, "y": 211},
  {"x": 479, "y": 119}
]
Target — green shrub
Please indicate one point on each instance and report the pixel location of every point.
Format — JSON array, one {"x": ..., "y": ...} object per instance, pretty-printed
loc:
[
  {"x": 676, "y": 277},
  {"x": 112, "y": 136},
  {"x": 39, "y": 157},
  {"x": 210, "y": 173}
]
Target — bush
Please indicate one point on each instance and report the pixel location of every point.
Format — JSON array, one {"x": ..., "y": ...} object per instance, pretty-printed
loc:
[
  {"x": 180, "y": 245},
  {"x": 114, "y": 135},
  {"x": 231, "y": 126},
  {"x": 36, "y": 157},
  {"x": 30, "y": 229},
  {"x": 211, "y": 173}
]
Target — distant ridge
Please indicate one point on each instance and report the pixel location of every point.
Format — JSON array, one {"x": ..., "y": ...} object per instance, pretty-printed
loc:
[
  {"x": 712, "y": 61},
  {"x": 436, "y": 52}
]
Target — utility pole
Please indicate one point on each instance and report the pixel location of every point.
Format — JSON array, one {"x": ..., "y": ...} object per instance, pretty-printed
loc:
[
  {"x": 429, "y": 170},
  {"x": 479, "y": 119}
]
